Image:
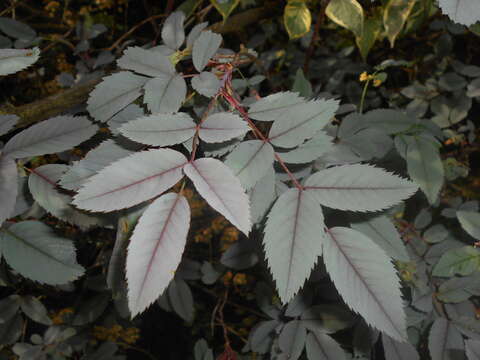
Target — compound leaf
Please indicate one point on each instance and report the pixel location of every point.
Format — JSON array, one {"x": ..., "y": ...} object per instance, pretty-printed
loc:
[
  {"x": 33, "y": 250},
  {"x": 292, "y": 240},
  {"x": 206, "y": 83},
  {"x": 310, "y": 150},
  {"x": 271, "y": 107},
  {"x": 222, "y": 190},
  {"x": 366, "y": 279},
  {"x": 51, "y": 136},
  {"x": 155, "y": 249},
  {"x": 250, "y": 161},
  {"x": 204, "y": 47},
  {"x": 114, "y": 93},
  {"x": 8, "y": 187},
  {"x": 160, "y": 129},
  {"x": 221, "y": 127},
  {"x": 131, "y": 180},
  {"x": 461, "y": 261},
  {"x": 146, "y": 62},
  {"x": 95, "y": 160},
  {"x": 13, "y": 60},
  {"x": 165, "y": 93},
  {"x": 358, "y": 187},
  {"x": 173, "y": 34},
  {"x": 295, "y": 126}
]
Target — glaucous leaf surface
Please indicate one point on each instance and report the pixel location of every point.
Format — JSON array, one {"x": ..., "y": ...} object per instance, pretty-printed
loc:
[
  {"x": 294, "y": 126},
  {"x": 216, "y": 183},
  {"x": 443, "y": 338},
  {"x": 395, "y": 350},
  {"x": 240, "y": 255},
  {"x": 173, "y": 34},
  {"x": 195, "y": 33},
  {"x": 165, "y": 93},
  {"x": 262, "y": 196},
  {"x": 273, "y": 106},
  {"x": 16, "y": 29},
  {"x": 222, "y": 126},
  {"x": 131, "y": 112},
  {"x": 114, "y": 93},
  {"x": 381, "y": 230},
  {"x": 366, "y": 280},
  {"x": 458, "y": 289},
  {"x": 310, "y": 150},
  {"x": 51, "y": 136},
  {"x": 8, "y": 187},
  {"x": 206, "y": 83},
  {"x": 160, "y": 129},
  {"x": 131, "y": 180},
  {"x": 14, "y": 60},
  {"x": 250, "y": 161},
  {"x": 470, "y": 221},
  {"x": 33, "y": 250},
  {"x": 465, "y": 12},
  {"x": 155, "y": 249},
  {"x": 35, "y": 310},
  {"x": 292, "y": 339},
  {"x": 461, "y": 261},
  {"x": 204, "y": 47},
  {"x": 389, "y": 120},
  {"x": 181, "y": 299},
  {"x": 42, "y": 183},
  {"x": 292, "y": 240},
  {"x": 425, "y": 166},
  {"x": 320, "y": 346},
  {"x": 7, "y": 122},
  {"x": 95, "y": 160},
  {"x": 328, "y": 318},
  {"x": 146, "y": 62},
  {"x": 358, "y": 187}
]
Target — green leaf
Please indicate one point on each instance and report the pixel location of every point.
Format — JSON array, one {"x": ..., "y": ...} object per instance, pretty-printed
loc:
[
  {"x": 346, "y": 13},
  {"x": 328, "y": 318},
  {"x": 35, "y": 310},
  {"x": 292, "y": 240},
  {"x": 297, "y": 18},
  {"x": 459, "y": 289},
  {"x": 225, "y": 7},
  {"x": 8, "y": 187},
  {"x": 425, "y": 166},
  {"x": 37, "y": 253},
  {"x": 463, "y": 261},
  {"x": 381, "y": 230},
  {"x": 320, "y": 346},
  {"x": 301, "y": 85},
  {"x": 371, "y": 30},
  {"x": 394, "y": 17},
  {"x": 366, "y": 279},
  {"x": 470, "y": 221},
  {"x": 181, "y": 299},
  {"x": 443, "y": 338}
]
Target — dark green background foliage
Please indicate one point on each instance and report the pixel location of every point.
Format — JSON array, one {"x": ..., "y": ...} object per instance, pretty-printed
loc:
[{"x": 286, "y": 141}]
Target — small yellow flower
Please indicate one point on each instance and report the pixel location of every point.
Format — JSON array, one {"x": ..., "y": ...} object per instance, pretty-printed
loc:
[
  {"x": 364, "y": 76},
  {"x": 377, "y": 82},
  {"x": 240, "y": 279}
]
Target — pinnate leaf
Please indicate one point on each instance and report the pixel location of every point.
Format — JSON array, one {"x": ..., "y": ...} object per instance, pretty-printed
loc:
[
  {"x": 155, "y": 249},
  {"x": 292, "y": 240},
  {"x": 221, "y": 127},
  {"x": 460, "y": 261},
  {"x": 366, "y": 280},
  {"x": 33, "y": 250},
  {"x": 222, "y": 190},
  {"x": 114, "y": 93},
  {"x": 173, "y": 34},
  {"x": 250, "y": 161},
  {"x": 273, "y": 106},
  {"x": 131, "y": 180},
  {"x": 51, "y": 136},
  {"x": 295, "y": 125},
  {"x": 165, "y": 93},
  {"x": 160, "y": 129},
  {"x": 13, "y": 60},
  {"x": 206, "y": 83},
  {"x": 310, "y": 150},
  {"x": 358, "y": 187},
  {"x": 204, "y": 47},
  {"x": 146, "y": 62}
]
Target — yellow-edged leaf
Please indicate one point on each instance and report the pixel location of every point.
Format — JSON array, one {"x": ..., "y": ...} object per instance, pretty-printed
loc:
[
  {"x": 347, "y": 13},
  {"x": 225, "y": 7},
  {"x": 371, "y": 30},
  {"x": 394, "y": 17},
  {"x": 297, "y": 18}
]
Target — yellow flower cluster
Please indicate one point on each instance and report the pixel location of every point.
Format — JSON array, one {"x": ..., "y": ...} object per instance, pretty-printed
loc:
[
  {"x": 116, "y": 334},
  {"x": 60, "y": 316},
  {"x": 364, "y": 76}
]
